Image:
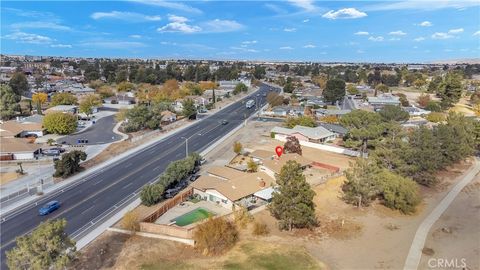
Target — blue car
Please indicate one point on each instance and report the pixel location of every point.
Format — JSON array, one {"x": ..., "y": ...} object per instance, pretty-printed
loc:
[{"x": 49, "y": 208}]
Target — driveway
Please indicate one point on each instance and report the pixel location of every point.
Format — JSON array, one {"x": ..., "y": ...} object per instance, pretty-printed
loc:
[{"x": 99, "y": 133}]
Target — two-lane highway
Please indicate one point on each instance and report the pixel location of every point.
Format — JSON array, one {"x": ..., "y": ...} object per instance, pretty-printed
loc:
[{"x": 104, "y": 190}]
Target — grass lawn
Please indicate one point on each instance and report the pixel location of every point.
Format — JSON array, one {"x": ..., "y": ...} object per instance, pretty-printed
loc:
[{"x": 248, "y": 256}]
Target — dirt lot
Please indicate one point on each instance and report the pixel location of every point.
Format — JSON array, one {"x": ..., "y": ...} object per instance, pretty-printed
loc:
[
  {"x": 6, "y": 177},
  {"x": 456, "y": 235}
]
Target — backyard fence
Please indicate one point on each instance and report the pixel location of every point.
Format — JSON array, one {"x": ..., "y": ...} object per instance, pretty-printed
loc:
[{"x": 168, "y": 204}]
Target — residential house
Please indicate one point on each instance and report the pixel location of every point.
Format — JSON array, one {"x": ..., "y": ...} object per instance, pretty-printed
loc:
[
  {"x": 17, "y": 149},
  {"x": 309, "y": 134},
  {"x": 259, "y": 155},
  {"x": 274, "y": 166},
  {"x": 380, "y": 101},
  {"x": 73, "y": 109},
  {"x": 414, "y": 111},
  {"x": 232, "y": 191},
  {"x": 20, "y": 129},
  {"x": 219, "y": 93},
  {"x": 335, "y": 128},
  {"x": 168, "y": 116},
  {"x": 122, "y": 99},
  {"x": 328, "y": 112},
  {"x": 224, "y": 173}
]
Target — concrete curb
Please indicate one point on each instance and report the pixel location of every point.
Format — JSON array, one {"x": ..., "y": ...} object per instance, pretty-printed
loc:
[{"x": 116, "y": 131}]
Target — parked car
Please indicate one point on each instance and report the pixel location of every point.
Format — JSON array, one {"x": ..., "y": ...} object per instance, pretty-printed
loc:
[
  {"x": 224, "y": 122},
  {"x": 49, "y": 208},
  {"x": 51, "y": 152},
  {"x": 60, "y": 149}
]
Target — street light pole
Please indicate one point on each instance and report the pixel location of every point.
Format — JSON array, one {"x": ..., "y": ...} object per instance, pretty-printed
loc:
[{"x": 186, "y": 143}]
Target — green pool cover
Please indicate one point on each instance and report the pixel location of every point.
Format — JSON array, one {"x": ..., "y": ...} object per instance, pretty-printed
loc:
[{"x": 192, "y": 217}]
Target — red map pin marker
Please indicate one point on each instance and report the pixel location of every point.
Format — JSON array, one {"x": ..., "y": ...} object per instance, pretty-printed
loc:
[{"x": 279, "y": 150}]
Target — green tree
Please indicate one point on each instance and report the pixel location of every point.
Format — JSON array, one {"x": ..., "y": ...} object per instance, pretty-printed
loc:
[
  {"x": 433, "y": 106},
  {"x": 88, "y": 103},
  {"x": 189, "y": 109},
  {"x": 125, "y": 87},
  {"x": 360, "y": 188},
  {"x": 142, "y": 117},
  {"x": 382, "y": 88},
  {"x": 60, "y": 123},
  {"x": 63, "y": 99},
  {"x": 9, "y": 105},
  {"x": 259, "y": 72},
  {"x": 122, "y": 75},
  {"x": 292, "y": 145},
  {"x": 352, "y": 89},
  {"x": 364, "y": 129},
  {"x": 241, "y": 87},
  {"x": 334, "y": 90},
  {"x": 69, "y": 164},
  {"x": 393, "y": 113},
  {"x": 403, "y": 100},
  {"x": 450, "y": 90},
  {"x": 47, "y": 247},
  {"x": 292, "y": 202},
  {"x": 19, "y": 84},
  {"x": 305, "y": 121},
  {"x": 152, "y": 194}
]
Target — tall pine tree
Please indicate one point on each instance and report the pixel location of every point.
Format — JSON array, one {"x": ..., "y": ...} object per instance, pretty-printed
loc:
[{"x": 292, "y": 202}]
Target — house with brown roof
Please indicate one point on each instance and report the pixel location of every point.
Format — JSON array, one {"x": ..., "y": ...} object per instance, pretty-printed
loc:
[
  {"x": 168, "y": 116},
  {"x": 274, "y": 166},
  {"x": 224, "y": 173},
  {"x": 238, "y": 191},
  {"x": 17, "y": 149},
  {"x": 260, "y": 155},
  {"x": 18, "y": 128}
]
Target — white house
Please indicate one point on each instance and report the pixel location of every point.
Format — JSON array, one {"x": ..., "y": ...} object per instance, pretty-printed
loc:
[
  {"x": 17, "y": 149},
  {"x": 316, "y": 135}
]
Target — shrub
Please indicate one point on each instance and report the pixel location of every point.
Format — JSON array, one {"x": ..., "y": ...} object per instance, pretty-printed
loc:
[
  {"x": 242, "y": 217},
  {"x": 272, "y": 135},
  {"x": 436, "y": 117},
  {"x": 69, "y": 164},
  {"x": 260, "y": 228},
  {"x": 305, "y": 121},
  {"x": 131, "y": 221},
  {"x": 152, "y": 194},
  {"x": 433, "y": 106},
  {"x": 252, "y": 166},
  {"x": 398, "y": 192},
  {"x": 237, "y": 147},
  {"x": 215, "y": 236},
  {"x": 292, "y": 145}
]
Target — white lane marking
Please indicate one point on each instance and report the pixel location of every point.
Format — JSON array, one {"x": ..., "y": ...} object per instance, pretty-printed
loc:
[
  {"x": 129, "y": 184},
  {"x": 86, "y": 210}
]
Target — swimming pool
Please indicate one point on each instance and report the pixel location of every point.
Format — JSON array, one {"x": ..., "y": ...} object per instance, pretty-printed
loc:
[{"x": 192, "y": 217}]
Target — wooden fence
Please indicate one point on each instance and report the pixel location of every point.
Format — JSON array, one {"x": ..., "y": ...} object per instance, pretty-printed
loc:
[{"x": 168, "y": 204}]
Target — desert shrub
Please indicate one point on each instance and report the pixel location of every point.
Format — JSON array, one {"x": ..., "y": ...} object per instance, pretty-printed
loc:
[
  {"x": 252, "y": 166},
  {"x": 272, "y": 135},
  {"x": 131, "y": 221},
  {"x": 241, "y": 216},
  {"x": 215, "y": 236},
  {"x": 260, "y": 228},
  {"x": 436, "y": 117},
  {"x": 398, "y": 192},
  {"x": 237, "y": 148}
]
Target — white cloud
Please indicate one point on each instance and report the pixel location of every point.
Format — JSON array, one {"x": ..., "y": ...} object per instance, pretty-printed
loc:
[
  {"x": 346, "y": 13},
  {"x": 448, "y": 50},
  {"x": 135, "y": 36},
  {"x": 422, "y": 5},
  {"x": 309, "y": 46},
  {"x": 455, "y": 31},
  {"x": 425, "y": 24},
  {"x": 306, "y": 5},
  {"x": 394, "y": 39},
  {"x": 362, "y": 33},
  {"x": 286, "y": 48},
  {"x": 247, "y": 42},
  {"x": 28, "y": 38},
  {"x": 397, "y": 33},
  {"x": 61, "y": 46},
  {"x": 125, "y": 16},
  {"x": 179, "y": 24},
  {"x": 376, "y": 39},
  {"x": 418, "y": 39},
  {"x": 306, "y": 20},
  {"x": 360, "y": 51},
  {"x": 290, "y": 29},
  {"x": 220, "y": 26},
  {"x": 40, "y": 25},
  {"x": 440, "y": 35},
  {"x": 170, "y": 5},
  {"x": 275, "y": 8},
  {"x": 476, "y": 33},
  {"x": 113, "y": 44}
]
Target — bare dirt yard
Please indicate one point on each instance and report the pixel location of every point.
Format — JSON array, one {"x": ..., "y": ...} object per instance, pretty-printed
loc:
[
  {"x": 6, "y": 177},
  {"x": 456, "y": 234}
]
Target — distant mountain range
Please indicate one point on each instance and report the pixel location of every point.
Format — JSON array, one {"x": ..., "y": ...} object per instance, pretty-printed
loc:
[{"x": 457, "y": 61}]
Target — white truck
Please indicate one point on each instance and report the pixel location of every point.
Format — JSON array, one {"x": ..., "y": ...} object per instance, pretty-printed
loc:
[{"x": 250, "y": 103}]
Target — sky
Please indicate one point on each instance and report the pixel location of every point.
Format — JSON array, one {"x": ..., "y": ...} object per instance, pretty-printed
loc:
[{"x": 290, "y": 30}]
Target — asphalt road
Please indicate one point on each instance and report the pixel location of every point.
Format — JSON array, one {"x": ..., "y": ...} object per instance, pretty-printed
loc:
[
  {"x": 85, "y": 202},
  {"x": 99, "y": 133}
]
